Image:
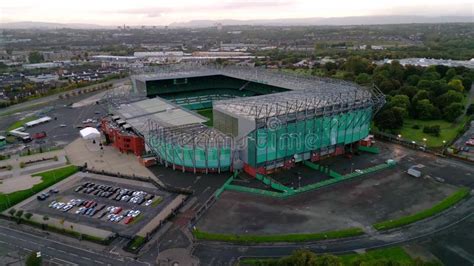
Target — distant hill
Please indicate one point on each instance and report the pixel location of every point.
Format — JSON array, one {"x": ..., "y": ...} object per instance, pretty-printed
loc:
[
  {"x": 336, "y": 21},
  {"x": 48, "y": 25},
  {"x": 319, "y": 21}
]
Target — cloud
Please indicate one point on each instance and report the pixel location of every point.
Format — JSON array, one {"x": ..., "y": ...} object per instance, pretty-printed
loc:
[
  {"x": 151, "y": 12},
  {"x": 224, "y": 6}
]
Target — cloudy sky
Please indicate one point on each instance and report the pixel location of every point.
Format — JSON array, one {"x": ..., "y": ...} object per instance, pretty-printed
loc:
[{"x": 159, "y": 12}]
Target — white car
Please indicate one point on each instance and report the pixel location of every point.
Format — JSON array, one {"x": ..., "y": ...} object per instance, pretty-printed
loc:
[
  {"x": 60, "y": 205},
  {"x": 52, "y": 204},
  {"x": 135, "y": 213},
  {"x": 80, "y": 210},
  {"x": 148, "y": 202},
  {"x": 67, "y": 207}
]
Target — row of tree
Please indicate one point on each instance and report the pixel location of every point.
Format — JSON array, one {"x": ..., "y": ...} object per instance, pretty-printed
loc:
[{"x": 425, "y": 93}]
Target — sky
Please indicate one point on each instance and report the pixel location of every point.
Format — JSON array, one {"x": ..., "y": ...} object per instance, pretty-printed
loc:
[{"x": 159, "y": 12}]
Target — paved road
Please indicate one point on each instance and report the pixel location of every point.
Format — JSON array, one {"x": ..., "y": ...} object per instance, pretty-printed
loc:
[
  {"x": 48, "y": 99},
  {"x": 63, "y": 253},
  {"x": 214, "y": 253}
]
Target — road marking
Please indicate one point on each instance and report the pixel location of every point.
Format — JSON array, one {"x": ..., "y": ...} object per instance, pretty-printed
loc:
[
  {"x": 65, "y": 261},
  {"x": 100, "y": 262},
  {"x": 53, "y": 241}
]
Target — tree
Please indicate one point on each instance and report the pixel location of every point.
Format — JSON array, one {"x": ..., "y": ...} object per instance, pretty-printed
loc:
[
  {"x": 308, "y": 258},
  {"x": 450, "y": 74},
  {"x": 467, "y": 82},
  {"x": 363, "y": 79},
  {"x": 357, "y": 65},
  {"x": 19, "y": 213},
  {"x": 409, "y": 91},
  {"x": 425, "y": 110},
  {"x": 433, "y": 130},
  {"x": 28, "y": 215},
  {"x": 33, "y": 259},
  {"x": 420, "y": 95},
  {"x": 35, "y": 57},
  {"x": 389, "y": 85},
  {"x": 12, "y": 212},
  {"x": 456, "y": 84},
  {"x": 453, "y": 111},
  {"x": 448, "y": 98},
  {"x": 413, "y": 80},
  {"x": 400, "y": 101},
  {"x": 389, "y": 119}
]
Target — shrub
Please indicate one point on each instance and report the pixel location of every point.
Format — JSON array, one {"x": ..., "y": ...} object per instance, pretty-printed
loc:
[
  {"x": 433, "y": 130},
  {"x": 416, "y": 126},
  {"x": 441, "y": 206},
  {"x": 350, "y": 232},
  {"x": 33, "y": 259}
]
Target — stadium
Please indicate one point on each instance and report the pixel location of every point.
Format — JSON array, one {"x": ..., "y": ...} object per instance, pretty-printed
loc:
[{"x": 254, "y": 120}]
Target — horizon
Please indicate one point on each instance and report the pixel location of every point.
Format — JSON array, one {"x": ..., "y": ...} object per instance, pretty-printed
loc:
[{"x": 148, "y": 13}]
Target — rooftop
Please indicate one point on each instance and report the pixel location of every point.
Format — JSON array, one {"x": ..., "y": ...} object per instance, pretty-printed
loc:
[
  {"x": 318, "y": 100},
  {"x": 138, "y": 114},
  {"x": 285, "y": 80}
]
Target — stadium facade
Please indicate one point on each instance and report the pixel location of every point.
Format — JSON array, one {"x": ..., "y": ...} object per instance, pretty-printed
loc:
[{"x": 262, "y": 120}]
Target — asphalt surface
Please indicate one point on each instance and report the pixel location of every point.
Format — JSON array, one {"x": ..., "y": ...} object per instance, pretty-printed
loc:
[
  {"x": 65, "y": 254},
  {"x": 52, "y": 98},
  {"x": 214, "y": 253}
]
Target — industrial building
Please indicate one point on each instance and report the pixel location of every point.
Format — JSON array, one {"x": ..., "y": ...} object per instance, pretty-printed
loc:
[{"x": 262, "y": 120}]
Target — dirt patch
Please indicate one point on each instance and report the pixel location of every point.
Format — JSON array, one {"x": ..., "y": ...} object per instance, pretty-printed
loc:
[{"x": 23, "y": 182}]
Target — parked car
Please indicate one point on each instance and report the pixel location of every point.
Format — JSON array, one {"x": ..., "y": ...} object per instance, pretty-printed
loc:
[
  {"x": 128, "y": 220},
  {"x": 148, "y": 202}
]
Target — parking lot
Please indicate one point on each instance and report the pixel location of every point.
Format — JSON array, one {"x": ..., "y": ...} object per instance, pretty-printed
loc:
[
  {"x": 462, "y": 143},
  {"x": 113, "y": 204}
]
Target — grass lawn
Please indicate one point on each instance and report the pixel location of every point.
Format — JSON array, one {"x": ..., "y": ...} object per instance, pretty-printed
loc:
[
  {"x": 48, "y": 179},
  {"x": 449, "y": 131},
  {"x": 137, "y": 242},
  {"x": 441, "y": 206},
  {"x": 371, "y": 257},
  {"x": 156, "y": 201},
  {"x": 397, "y": 254},
  {"x": 21, "y": 122},
  {"x": 206, "y": 113},
  {"x": 277, "y": 238}
]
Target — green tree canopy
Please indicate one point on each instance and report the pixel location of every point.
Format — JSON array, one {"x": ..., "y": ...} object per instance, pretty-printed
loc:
[
  {"x": 456, "y": 84},
  {"x": 453, "y": 111},
  {"x": 35, "y": 57},
  {"x": 425, "y": 110},
  {"x": 363, "y": 79}
]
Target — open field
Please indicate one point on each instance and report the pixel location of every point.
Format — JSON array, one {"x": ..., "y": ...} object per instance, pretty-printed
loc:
[
  {"x": 448, "y": 131},
  {"x": 48, "y": 179},
  {"x": 206, "y": 113},
  {"x": 21, "y": 122}
]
